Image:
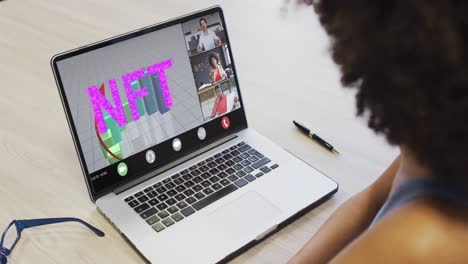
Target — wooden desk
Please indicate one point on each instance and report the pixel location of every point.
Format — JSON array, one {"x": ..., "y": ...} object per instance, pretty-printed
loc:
[
  {"x": 207, "y": 93},
  {"x": 285, "y": 73}
]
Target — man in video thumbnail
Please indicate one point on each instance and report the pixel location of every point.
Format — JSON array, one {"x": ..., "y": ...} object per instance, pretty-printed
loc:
[
  {"x": 223, "y": 103},
  {"x": 208, "y": 39}
]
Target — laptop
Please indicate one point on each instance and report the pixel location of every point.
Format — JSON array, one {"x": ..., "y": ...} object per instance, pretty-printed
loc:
[{"x": 176, "y": 169}]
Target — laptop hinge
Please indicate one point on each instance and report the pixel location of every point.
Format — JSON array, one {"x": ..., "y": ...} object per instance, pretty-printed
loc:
[{"x": 173, "y": 164}]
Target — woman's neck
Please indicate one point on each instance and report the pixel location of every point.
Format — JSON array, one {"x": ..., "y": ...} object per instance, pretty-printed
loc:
[{"x": 410, "y": 168}]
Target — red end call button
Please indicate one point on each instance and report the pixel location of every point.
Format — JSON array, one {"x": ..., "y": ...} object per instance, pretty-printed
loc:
[{"x": 225, "y": 122}]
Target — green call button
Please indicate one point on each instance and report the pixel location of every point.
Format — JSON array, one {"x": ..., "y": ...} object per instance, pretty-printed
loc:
[{"x": 122, "y": 169}]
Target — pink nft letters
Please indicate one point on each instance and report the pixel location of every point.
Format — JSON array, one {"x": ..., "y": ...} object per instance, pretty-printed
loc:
[{"x": 116, "y": 111}]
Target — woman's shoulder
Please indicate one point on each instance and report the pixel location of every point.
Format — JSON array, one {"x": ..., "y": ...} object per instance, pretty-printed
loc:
[
  {"x": 425, "y": 230},
  {"x": 437, "y": 221}
]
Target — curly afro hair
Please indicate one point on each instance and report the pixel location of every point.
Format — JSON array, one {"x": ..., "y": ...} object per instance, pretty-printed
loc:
[
  {"x": 408, "y": 60},
  {"x": 211, "y": 57}
]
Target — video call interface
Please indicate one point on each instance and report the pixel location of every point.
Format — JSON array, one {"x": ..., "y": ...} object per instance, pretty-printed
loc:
[{"x": 130, "y": 96}]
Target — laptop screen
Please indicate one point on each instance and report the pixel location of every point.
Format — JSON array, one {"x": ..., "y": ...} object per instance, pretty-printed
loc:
[{"x": 141, "y": 100}]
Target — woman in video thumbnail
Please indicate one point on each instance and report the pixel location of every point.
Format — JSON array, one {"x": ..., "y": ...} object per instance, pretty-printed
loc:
[
  {"x": 217, "y": 72},
  {"x": 223, "y": 103},
  {"x": 208, "y": 39}
]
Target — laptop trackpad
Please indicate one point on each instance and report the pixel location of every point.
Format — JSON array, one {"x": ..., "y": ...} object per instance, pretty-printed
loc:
[{"x": 246, "y": 214}]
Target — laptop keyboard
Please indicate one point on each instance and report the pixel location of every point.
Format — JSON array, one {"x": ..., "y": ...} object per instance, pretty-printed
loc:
[{"x": 192, "y": 189}]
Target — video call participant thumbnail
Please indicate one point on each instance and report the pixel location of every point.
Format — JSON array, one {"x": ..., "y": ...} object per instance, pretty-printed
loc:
[
  {"x": 207, "y": 39},
  {"x": 223, "y": 103},
  {"x": 217, "y": 72}
]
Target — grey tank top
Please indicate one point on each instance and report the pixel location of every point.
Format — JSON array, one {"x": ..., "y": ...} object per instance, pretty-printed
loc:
[{"x": 423, "y": 187}]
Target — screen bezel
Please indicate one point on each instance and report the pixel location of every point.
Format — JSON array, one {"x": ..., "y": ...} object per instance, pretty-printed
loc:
[{"x": 239, "y": 114}]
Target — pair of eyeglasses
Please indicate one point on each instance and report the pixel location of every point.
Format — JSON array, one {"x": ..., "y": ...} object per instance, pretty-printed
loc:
[{"x": 11, "y": 235}]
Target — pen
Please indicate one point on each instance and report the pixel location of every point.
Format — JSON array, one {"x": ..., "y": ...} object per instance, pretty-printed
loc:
[{"x": 316, "y": 138}]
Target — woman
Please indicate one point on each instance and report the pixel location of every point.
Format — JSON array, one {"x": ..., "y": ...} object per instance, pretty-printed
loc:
[
  {"x": 408, "y": 60},
  {"x": 220, "y": 103},
  {"x": 217, "y": 72}
]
